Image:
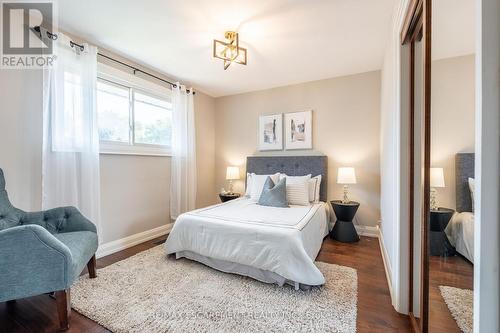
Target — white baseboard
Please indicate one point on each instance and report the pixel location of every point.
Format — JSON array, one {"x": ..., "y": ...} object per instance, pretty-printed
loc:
[
  {"x": 368, "y": 231},
  {"x": 124, "y": 243},
  {"x": 387, "y": 263}
]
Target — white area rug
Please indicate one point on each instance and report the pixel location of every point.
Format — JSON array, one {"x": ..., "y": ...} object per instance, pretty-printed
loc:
[
  {"x": 152, "y": 293},
  {"x": 460, "y": 303}
]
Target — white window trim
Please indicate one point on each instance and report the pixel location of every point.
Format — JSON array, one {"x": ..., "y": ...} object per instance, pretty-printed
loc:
[{"x": 138, "y": 84}]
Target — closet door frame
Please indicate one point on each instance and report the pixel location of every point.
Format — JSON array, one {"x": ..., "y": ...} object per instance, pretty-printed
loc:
[{"x": 417, "y": 27}]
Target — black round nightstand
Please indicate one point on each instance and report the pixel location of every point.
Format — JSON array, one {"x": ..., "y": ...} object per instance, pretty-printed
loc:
[
  {"x": 439, "y": 243},
  {"x": 228, "y": 196},
  {"x": 344, "y": 230}
]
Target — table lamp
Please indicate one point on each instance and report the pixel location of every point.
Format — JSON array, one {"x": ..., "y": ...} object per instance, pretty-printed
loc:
[
  {"x": 346, "y": 176},
  {"x": 437, "y": 180},
  {"x": 232, "y": 173}
]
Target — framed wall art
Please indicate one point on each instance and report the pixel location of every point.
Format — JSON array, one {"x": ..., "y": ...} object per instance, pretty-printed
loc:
[
  {"x": 271, "y": 132},
  {"x": 298, "y": 130}
]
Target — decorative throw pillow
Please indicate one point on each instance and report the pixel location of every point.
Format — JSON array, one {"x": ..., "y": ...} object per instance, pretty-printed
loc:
[
  {"x": 297, "y": 189},
  {"x": 258, "y": 184},
  {"x": 314, "y": 186},
  {"x": 273, "y": 195}
]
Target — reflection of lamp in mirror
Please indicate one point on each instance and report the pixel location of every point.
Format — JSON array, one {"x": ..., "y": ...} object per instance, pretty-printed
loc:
[
  {"x": 232, "y": 173},
  {"x": 437, "y": 180},
  {"x": 346, "y": 176}
]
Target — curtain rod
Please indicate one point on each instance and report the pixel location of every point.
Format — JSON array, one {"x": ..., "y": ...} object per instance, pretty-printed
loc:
[{"x": 135, "y": 69}]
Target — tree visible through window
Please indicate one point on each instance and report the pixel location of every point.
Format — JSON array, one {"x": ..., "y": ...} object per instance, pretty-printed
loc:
[
  {"x": 131, "y": 117},
  {"x": 152, "y": 121}
]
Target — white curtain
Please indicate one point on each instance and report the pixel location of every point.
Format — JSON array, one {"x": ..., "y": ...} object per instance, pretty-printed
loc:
[
  {"x": 183, "y": 170},
  {"x": 70, "y": 161}
]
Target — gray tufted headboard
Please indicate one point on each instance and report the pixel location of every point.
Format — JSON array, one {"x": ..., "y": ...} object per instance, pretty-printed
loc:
[
  {"x": 464, "y": 168},
  {"x": 292, "y": 166}
]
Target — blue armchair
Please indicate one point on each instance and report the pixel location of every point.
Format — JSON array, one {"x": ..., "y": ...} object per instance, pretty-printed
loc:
[{"x": 43, "y": 252}]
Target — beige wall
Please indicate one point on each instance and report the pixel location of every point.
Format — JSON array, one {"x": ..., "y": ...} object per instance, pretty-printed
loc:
[
  {"x": 135, "y": 190},
  {"x": 20, "y": 136},
  {"x": 452, "y": 118},
  {"x": 346, "y": 128},
  {"x": 205, "y": 150}
]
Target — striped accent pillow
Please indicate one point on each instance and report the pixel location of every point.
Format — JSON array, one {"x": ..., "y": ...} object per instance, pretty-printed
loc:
[{"x": 297, "y": 189}]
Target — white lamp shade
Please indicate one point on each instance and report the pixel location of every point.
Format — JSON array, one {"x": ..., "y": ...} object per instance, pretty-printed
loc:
[
  {"x": 232, "y": 173},
  {"x": 346, "y": 176},
  {"x": 437, "y": 177}
]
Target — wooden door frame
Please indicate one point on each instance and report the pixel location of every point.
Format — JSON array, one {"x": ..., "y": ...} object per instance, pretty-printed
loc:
[{"x": 417, "y": 26}]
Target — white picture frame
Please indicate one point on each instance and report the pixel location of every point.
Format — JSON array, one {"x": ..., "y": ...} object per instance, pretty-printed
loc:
[
  {"x": 271, "y": 132},
  {"x": 298, "y": 130}
]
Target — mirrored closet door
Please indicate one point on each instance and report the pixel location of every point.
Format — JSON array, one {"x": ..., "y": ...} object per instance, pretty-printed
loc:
[
  {"x": 416, "y": 41},
  {"x": 451, "y": 217},
  {"x": 416, "y": 186},
  {"x": 440, "y": 141}
]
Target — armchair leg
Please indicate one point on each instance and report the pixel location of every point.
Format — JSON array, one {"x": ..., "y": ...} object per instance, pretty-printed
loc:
[
  {"x": 91, "y": 267},
  {"x": 63, "y": 308}
]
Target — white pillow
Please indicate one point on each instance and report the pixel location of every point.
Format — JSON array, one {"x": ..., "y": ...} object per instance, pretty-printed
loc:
[
  {"x": 472, "y": 189},
  {"x": 248, "y": 190},
  {"x": 258, "y": 184},
  {"x": 314, "y": 187},
  {"x": 297, "y": 189}
]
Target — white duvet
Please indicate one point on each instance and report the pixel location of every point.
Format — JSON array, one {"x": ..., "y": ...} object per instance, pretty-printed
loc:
[
  {"x": 460, "y": 232},
  {"x": 284, "y": 241}
]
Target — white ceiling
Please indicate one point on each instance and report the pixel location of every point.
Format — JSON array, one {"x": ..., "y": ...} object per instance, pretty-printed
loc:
[
  {"x": 288, "y": 41},
  {"x": 453, "y": 31}
]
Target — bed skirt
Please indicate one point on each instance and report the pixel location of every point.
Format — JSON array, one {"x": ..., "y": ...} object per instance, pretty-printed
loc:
[{"x": 240, "y": 269}]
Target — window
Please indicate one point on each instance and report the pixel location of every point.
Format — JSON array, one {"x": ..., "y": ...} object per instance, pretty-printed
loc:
[
  {"x": 113, "y": 112},
  {"x": 152, "y": 121},
  {"x": 133, "y": 120}
]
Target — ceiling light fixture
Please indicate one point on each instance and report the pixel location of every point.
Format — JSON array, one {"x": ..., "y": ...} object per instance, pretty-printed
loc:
[{"x": 230, "y": 50}]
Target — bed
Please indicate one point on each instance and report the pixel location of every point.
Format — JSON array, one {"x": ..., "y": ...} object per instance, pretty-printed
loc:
[
  {"x": 269, "y": 244},
  {"x": 460, "y": 230}
]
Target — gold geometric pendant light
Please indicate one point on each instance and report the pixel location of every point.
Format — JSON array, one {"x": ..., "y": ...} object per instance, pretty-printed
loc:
[{"x": 230, "y": 50}]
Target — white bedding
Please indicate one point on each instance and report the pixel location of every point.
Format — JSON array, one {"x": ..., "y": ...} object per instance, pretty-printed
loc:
[
  {"x": 284, "y": 241},
  {"x": 460, "y": 232}
]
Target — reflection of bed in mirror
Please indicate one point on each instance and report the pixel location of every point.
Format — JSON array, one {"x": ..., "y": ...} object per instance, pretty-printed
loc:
[{"x": 460, "y": 230}]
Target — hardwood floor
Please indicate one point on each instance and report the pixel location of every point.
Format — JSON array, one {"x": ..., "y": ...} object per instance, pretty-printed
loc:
[
  {"x": 375, "y": 312},
  {"x": 446, "y": 271}
]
